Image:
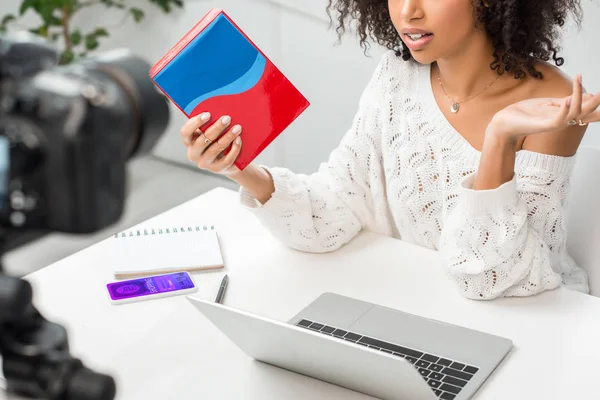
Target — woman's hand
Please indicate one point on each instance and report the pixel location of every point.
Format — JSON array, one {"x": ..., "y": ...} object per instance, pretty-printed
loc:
[
  {"x": 206, "y": 150},
  {"x": 542, "y": 115}
]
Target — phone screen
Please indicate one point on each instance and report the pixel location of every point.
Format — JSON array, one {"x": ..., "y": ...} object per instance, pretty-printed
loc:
[{"x": 148, "y": 286}]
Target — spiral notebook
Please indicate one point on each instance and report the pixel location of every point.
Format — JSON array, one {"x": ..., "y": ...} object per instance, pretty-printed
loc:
[{"x": 151, "y": 251}]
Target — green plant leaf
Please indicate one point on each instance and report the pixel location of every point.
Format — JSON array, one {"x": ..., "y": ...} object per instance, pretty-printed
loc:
[
  {"x": 166, "y": 5},
  {"x": 5, "y": 21},
  {"x": 63, "y": 4},
  {"x": 66, "y": 57},
  {"x": 53, "y": 13},
  {"x": 26, "y": 5},
  {"x": 113, "y": 3},
  {"x": 7, "y": 18},
  {"x": 40, "y": 31},
  {"x": 138, "y": 14},
  {"x": 91, "y": 39},
  {"x": 70, "y": 4},
  {"x": 91, "y": 42},
  {"x": 54, "y": 21},
  {"x": 50, "y": 11},
  {"x": 76, "y": 37},
  {"x": 100, "y": 32}
]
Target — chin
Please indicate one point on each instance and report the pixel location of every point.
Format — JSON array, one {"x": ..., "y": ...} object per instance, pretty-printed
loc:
[{"x": 424, "y": 57}]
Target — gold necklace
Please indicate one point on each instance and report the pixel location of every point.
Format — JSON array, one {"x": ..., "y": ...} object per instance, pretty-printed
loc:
[{"x": 455, "y": 106}]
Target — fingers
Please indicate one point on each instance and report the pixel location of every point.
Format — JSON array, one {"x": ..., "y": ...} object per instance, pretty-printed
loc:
[
  {"x": 559, "y": 101},
  {"x": 228, "y": 160},
  {"x": 564, "y": 111},
  {"x": 220, "y": 145},
  {"x": 590, "y": 105},
  {"x": 215, "y": 130},
  {"x": 207, "y": 151},
  {"x": 592, "y": 117},
  {"x": 575, "y": 100},
  {"x": 587, "y": 96},
  {"x": 205, "y": 140},
  {"x": 192, "y": 127}
]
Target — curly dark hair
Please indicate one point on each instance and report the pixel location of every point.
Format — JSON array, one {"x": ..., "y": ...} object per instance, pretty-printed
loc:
[{"x": 521, "y": 30}]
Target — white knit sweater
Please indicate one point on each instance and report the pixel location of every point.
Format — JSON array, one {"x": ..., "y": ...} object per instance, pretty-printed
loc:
[{"x": 403, "y": 171}]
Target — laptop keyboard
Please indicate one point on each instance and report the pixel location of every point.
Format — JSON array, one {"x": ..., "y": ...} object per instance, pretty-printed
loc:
[{"x": 445, "y": 377}]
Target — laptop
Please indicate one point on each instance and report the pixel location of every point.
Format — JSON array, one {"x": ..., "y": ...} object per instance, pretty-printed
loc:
[{"x": 368, "y": 348}]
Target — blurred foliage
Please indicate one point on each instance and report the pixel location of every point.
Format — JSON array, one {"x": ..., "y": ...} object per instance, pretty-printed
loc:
[{"x": 56, "y": 17}]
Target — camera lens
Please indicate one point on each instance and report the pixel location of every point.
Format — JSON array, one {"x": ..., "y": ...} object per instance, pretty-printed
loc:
[{"x": 150, "y": 107}]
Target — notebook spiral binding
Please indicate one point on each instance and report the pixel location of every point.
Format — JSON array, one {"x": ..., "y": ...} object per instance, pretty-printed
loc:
[{"x": 162, "y": 231}]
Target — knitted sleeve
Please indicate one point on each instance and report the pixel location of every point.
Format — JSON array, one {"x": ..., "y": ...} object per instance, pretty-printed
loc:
[
  {"x": 510, "y": 241},
  {"x": 325, "y": 210}
]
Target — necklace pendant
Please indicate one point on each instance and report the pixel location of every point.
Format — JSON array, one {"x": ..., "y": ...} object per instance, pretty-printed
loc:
[{"x": 454, "y": 108}]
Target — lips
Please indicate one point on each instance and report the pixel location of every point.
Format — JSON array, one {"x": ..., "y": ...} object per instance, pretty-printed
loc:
[
  {"x": 413, "y": 30},
  {"x": 416, "y": 39}
]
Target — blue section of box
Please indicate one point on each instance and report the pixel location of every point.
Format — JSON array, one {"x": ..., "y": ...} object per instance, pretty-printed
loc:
[{"x": 219, "y": 61}]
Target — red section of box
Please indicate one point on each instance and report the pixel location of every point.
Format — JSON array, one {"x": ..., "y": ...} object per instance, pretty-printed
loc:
[{"x": 263, "y": 111}]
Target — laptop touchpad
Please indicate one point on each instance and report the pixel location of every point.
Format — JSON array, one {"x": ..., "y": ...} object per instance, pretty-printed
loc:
[
  {"x": 395, "y": 326},
  {"x": 420, "y": 333},
  {"x": 333, "y": 310}
]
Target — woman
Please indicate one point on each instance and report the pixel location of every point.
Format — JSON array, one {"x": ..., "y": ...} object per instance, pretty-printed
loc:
[{"x": 464, "y": 141}]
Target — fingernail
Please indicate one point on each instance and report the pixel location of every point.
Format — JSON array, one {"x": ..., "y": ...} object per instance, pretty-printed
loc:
[
  {"x": 205, "y": 116},
  {"x": 226, "y": 120},
  {"x": 238, "y": 140},
  {"x": 236, "y": 130},
  {"x": 568, "y": 102}
]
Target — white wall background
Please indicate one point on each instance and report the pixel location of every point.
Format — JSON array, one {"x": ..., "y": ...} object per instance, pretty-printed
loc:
[{"x": 296, "y": 36}]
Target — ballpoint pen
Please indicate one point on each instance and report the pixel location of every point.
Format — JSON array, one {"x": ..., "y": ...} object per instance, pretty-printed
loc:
[{"x": 222, "y": 289}]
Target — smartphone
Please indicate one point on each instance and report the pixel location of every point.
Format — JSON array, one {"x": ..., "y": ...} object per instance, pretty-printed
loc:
[{"x": 151, "y": 287}]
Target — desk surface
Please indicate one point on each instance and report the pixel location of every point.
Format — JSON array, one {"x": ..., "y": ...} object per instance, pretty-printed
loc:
[{"x": 166, "y": 349}]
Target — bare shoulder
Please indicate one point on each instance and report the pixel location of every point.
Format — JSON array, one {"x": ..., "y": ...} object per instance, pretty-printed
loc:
[{"x": 555, "y": 83}]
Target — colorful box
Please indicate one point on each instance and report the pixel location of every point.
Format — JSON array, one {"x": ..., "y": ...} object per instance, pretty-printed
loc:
[{"x": 215, "y": 67}]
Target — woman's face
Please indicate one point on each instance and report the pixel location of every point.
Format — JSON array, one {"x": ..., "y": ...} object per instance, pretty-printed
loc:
[{"x": 437, "y": 28}]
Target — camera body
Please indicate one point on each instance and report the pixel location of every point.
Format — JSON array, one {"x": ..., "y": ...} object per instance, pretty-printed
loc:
[
  {"x": 68, "y": 132},
  {"x": 61, "y": 131}
]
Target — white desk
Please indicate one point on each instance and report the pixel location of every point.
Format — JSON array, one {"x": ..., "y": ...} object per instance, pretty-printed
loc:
[{"x": 165, "y": 349}]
